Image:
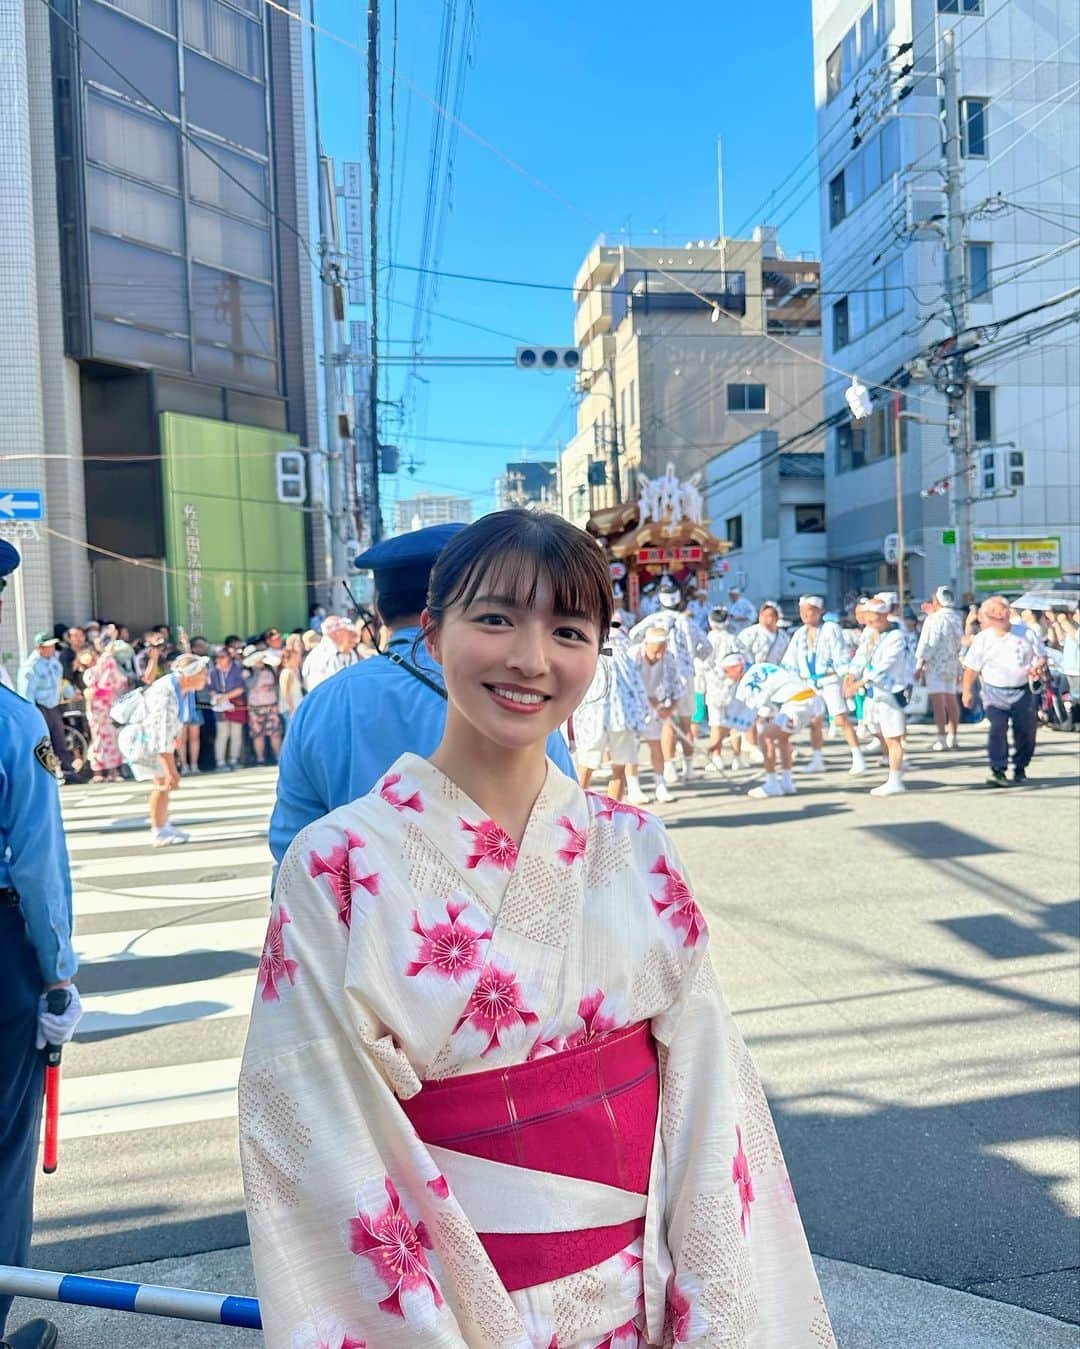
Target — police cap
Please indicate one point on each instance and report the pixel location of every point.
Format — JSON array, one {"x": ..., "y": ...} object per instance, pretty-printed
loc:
[
  {"x": 9, "y": 558},
  {"x": 403, "y": 564}
]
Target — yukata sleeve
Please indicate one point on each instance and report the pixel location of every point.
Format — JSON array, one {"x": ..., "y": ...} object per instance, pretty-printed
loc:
[
  {"x": 345, "y": 1206},
  {"x": 741, "y": 1273}
]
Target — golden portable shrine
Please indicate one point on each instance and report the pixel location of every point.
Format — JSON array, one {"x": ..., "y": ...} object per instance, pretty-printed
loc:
[{"x": 663, "y": 531}]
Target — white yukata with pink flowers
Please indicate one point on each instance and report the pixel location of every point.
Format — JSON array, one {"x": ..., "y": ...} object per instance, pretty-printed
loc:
[{"x": 411, "y": 941}]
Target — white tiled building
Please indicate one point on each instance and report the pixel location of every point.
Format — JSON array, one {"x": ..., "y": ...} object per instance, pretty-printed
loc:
[{"x": 882, "y": 274}]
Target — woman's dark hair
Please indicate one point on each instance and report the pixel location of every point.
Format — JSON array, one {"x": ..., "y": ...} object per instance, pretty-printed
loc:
[{"x": 513, "y": 549}]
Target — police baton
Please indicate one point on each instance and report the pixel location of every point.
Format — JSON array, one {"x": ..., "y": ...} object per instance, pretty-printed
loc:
[{"x": 57, "y": 1001}]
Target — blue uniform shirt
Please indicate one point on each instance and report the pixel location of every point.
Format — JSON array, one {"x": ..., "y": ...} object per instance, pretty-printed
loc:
[
  {"x": 349, "y": 730},
  {"x": 33, "y": 854}
]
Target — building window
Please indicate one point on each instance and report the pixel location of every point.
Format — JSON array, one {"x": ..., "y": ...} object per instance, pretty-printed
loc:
[
  {"x": 810, "y": 519},
  {"x": 1016, "y": 468},
  {"x": 866, "y": 34},
  {"x": 142, "y": 63},
  {"x": 746, "y": 397},
  {"x": 982, "y": 415},
  {"x": 132, "y": 210},
  {"x": 622, "y": 408},
  {"x": 160, "y": 13},
  {"x": 837, "y": 206},
  {"x": 225, "y": 34},
  {"x": 977, "y": 258},
  {"x": 865, "y": 442},
  {"x": 232, "y": 182},
  {"x": 848, "y": 54},
  {"x": 959, "y": 6},
  {"x": 840, "y": 332},
  {"x": 633, "y": 402},
  {"x": 733, "y": 525},
  {"x": 973, "y": 128},
  {"x": 833, "y": 81}
]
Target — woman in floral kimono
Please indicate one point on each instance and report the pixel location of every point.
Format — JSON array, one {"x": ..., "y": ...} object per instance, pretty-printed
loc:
[
  {"x": 491, "y": 1095},
  {"x": 103, "y": 682}
]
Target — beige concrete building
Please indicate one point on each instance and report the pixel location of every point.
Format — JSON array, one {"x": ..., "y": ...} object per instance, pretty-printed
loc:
[
  {"x": 670, "y": 377},
  {"x": 428, "y": 508}
]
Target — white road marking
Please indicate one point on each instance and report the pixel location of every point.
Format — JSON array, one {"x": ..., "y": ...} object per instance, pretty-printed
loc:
[
  {"x": 148, "y": 1098},
  {"x": 171, "y": 939},
  {"x": 168, "y": 1004}
]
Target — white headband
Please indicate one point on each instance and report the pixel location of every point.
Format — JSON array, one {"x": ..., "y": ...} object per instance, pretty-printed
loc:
[{"x": 814, "y": 601}]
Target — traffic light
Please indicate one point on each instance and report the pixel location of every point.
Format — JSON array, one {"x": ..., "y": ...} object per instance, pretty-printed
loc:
[
  {"x": 547, "y": 358},
  {"x": 291, "y": 477}
]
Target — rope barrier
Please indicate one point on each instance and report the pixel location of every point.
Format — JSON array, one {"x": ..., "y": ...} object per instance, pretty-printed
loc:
[{"x": 150, "y": 1299}]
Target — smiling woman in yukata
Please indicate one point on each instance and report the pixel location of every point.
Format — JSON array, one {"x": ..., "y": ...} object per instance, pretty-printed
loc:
[{"x": 491, "y": 1094}]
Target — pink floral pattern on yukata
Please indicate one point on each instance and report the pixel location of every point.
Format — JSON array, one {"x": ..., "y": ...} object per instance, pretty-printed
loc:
[
  {"x": 386, "y": 1238},
  {"x": 395, "y": 799},
  {"x": 326, "y": 1332},
  {"x": 577, "y": 840},
  {"x": 596, "y": 1016},
  {"x": 678, "y": 905},
  {"x": 495, "y": 1008},
  {"x": 489, "y": 843},
  {"x": 626, "y": 1336},
  {"x": 742, "y": 1180},
  {"x": 680, "y": 1314},
  {"x": 606, "y": 809},
  {"x": 274, "y": 965},
  {"x": 439, "y": 1187},
  {"x": 344, "y": 874},
  {"x": 452, "y": 949}
]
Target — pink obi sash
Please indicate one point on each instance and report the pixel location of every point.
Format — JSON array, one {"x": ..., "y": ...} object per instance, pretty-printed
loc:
[{"x": 588, "y": 1113}]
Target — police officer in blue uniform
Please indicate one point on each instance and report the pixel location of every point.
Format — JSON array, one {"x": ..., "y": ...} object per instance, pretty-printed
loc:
[
  {"x": 349, "y": 730},
  {"x": 35, "y": 956}
]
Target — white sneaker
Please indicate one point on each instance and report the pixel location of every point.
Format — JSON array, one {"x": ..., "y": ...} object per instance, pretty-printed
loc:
[
  {"x": 952, "y": 742},
  {"x": 752, "y": 755},
  {"x": 671, "y": 773},
  {"x": 787, "y": 787},
  {"x": 858, "y": 763},
  {"x": 664, "y": 794},
  {"x": 737, "y": 764},
  {"x": 168, "y": 836},
  {"x": 892, "y": 786},
  {"x": 815, "y": 763},
  {"x": 938, "y": 745},
  {"x": 195, "y": 769},
  {"x": 634, "y": 795},
  {"x": 715, "y": 764},
  {"x": 770, "y": 787}
]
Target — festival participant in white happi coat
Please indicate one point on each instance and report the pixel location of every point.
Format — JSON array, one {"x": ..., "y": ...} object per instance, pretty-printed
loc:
[
  {"x": 611, "y": 718},
  {"x": 882, "y": 669},
  {"x": 698, "y": 606},
  {"x": 453, "y": 963},
  {"x": 937, "y": 664},
  {"x": 740, "y": 611},
  {"x": 687, "y": 643},
  {"x": 765, "y": 641},
  {"x": 722, "y": 675},
  {"x": 781, "y": 703},
  {"x": 818, "y": 654},
  {"x": 664, "y": 687}
]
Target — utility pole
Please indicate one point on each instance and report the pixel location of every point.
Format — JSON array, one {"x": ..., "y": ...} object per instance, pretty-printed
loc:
[
  {"x": 373, "y": 231},
  {"x": 956, "y": 388},
  {"x": 616, "y": 476},
  {"x": 333, "y": 313}
]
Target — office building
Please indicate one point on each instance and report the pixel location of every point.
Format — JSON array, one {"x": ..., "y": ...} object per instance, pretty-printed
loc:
[
  {"x": 883, "y": 266},
  {"x": 528, "y": 482},
  {"x": 159, "y": 342},
  {"x": 684, "y": 353},
  {"x": 426, "y": 508}
]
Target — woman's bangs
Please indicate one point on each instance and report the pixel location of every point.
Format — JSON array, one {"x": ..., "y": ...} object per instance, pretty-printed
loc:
[{"x": 515, "y": 576}]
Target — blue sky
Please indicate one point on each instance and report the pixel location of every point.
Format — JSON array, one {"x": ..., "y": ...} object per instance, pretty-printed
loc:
[{"x": 618, "y": 117}]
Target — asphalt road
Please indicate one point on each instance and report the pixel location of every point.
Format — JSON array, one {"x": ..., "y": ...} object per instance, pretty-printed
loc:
[{"x": 904, "y": 969}]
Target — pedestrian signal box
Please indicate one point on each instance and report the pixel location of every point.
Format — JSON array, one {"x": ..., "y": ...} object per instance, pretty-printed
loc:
[
  {"x": 547, "y": 358},
  {"x": 291, "y": 478}
]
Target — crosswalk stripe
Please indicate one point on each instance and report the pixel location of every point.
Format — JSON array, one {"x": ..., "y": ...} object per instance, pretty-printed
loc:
[
  {"x": 172, "y": 939},
  {"x": 148, "y": 1098},
  {"x": 168, "y": 1004},
  {"x": 90, "y": 903},
  {"x": 186, "y": 856}
]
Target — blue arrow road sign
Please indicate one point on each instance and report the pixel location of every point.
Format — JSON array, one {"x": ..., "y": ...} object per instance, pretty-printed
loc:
[{"x": 16, "y": 504}]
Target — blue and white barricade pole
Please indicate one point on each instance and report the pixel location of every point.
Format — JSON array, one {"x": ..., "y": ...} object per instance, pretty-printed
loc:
[{"x": 151, "y": 1299}]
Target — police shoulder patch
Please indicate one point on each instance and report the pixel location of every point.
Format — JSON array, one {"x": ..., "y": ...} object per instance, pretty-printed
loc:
[{"x": 46, "y": 756}]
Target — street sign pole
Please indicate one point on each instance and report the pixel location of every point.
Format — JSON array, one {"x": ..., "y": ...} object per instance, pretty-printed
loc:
[{"x": 19, "y": 532}]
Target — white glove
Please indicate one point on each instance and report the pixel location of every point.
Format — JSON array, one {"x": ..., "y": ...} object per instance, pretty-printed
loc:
[{"x": 58, "y": 1030}]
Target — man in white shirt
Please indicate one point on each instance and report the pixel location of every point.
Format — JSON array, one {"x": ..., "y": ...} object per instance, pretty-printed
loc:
[
  {"x": 783, "y": 704},
  {"x": 765, "y": 640},
  {"x": 663, "y": 688},
  {"x": 336, "y": 650},
  {"x": 881, "y": 667},
  {"x": 1005, "y": 656}
]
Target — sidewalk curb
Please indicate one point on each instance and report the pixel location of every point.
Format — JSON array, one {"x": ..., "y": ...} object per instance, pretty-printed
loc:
[{"x": 870, "y": 1309}]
